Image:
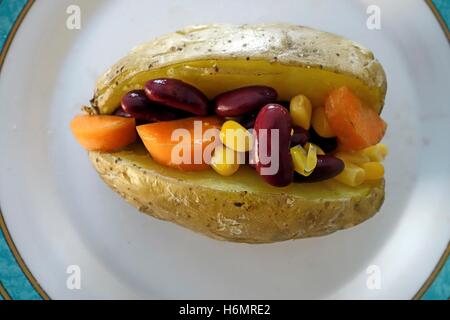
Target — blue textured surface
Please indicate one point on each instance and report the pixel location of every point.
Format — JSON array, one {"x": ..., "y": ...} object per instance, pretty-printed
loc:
[
  {"x": 440, "y": 289},
  {"x": 11, "y": 275},
  {"x": 9, "y": 10},
  {"x": 443, "y": 7}
]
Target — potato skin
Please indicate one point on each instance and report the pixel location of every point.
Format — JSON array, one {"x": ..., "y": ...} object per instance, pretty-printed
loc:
[
  {"x": 239, "y": 215},
  {"x": 286, "y": 44},
  {"x": 233, "y": 215}
]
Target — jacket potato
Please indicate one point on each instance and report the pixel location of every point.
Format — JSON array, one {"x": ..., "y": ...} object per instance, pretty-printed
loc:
[{"x": 219, "y": 58}]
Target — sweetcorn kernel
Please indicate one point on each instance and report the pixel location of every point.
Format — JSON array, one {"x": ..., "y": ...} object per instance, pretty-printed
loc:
[
  {"x": 304, "y": 161},
  {"x": 353, "y": 157},
  {"x": 224, "y": 161},
  {"x": 320, "y": 123},
  {"x": 319, "y": 150},
  {"x": 374, "y": 170},
  {"x": 376, "y": 153},
  {"x": 299, "y": 155},
  {"x": 236, "y": 137},
  {"x": 311, "y": 158},
  {"x": 352, "y": 175},
  {"x": 300, "y": 109}
]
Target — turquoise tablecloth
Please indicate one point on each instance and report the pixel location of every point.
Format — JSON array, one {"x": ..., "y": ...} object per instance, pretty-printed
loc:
[{"x": 13, "y": 282}]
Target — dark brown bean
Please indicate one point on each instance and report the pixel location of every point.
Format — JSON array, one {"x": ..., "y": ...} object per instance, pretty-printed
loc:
[
  {"x": 120, "y": 113},
  {"x": 136, "y": 104},
  {"x": 236, "y": 119},
  {"x": 274, "y": 117},
  {"x": 284, "y": 103},
  {"x": 244, "y": 100},
  {"x": 249, "y": 159},
  {"x": 300, "y": 137},
  {"x": 327, "y": 167},
  {"x": 177, "y": 94},
  {"x": 248, "y": 121},
  {"x": 326, "y": 144}
]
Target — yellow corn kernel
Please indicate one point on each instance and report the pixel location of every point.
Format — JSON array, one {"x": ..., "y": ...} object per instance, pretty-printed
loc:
[
  {"x": 352, "y": 175},
  {"x": 353, "y": 157},
  {"x": 304, "y": 161},
  {"x": 236, "y": 137},
  {"x": 224, "y": 161},
  {"x": 376, "y": 153},
  {"x": 300, "y": 109},
  {"x": 320, "y": 123},
  {"x": 319, "y": 150},
  {"x": 311, "y": 158},
  {"x": 374, "y": 170},
  {"x": 299, "y": 156}
]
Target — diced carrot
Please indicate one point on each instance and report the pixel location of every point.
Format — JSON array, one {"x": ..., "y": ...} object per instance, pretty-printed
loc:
[
  {"x": 356, "y": 126},
  {"x": 103, "y": 132},
  {"x": 158, "y": 140}
]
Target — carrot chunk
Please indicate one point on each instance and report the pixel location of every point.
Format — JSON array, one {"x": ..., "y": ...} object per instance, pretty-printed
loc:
[
  {"x": 355, "y": 125},
  {"x": 103, "y": 132},
  {"x": 183, "y": 143}
]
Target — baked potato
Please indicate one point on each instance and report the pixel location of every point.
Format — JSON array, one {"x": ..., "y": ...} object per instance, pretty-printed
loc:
[
  {"x": 218, "y": 58},
  {"x": 238, "y": 208}
]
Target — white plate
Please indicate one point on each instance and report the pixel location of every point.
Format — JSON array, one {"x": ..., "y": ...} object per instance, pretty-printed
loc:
[{"x": 60, "y": 213}]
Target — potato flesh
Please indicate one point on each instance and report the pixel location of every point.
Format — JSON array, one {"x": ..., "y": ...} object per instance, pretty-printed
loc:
[
  {"x": 213, "y": 77},
  {"x": 246, "y": 179}
]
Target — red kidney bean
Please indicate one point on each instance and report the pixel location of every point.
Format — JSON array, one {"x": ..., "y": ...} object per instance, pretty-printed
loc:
[
  {"x": 136, "y": 104},
  {"x": 327, "y": 167},
  {"x": 177, "y": 94},
  {"x": 326, "y": 144},
  {"x": 300, "y": 137},
  {"x": 274, "y": 117},
  {"x": 244, "y": 100}
]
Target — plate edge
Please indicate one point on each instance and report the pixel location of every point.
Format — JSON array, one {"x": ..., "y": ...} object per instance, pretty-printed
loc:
[
  {"x": 12, "y": 247},
  {"x": 423, "y": 289},
  {"x": 439, "y": 18}
]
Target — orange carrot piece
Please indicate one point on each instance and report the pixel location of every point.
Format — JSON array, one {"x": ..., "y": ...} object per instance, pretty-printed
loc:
[
  {"x": 355, "y": 125},
  {"x": 157, "y": 138},
  {"x": 103, "y": 132}
]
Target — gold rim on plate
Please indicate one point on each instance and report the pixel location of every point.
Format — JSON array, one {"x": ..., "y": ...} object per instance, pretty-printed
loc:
[
  {"x": 3, "y": 293},
  {"x": 30, "y": 276},
  {"x": 3, "y": 226}
]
